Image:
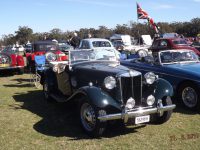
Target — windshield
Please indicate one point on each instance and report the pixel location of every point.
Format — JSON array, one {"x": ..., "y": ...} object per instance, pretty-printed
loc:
[
  {"x": 101, "y": 44},
  {"x": 196, "y": 44},
  {"x": 77, "y": 56},
  {"x": 65, "y": 47},
  {"x": 179, "y": 42},
  {"x": 45, "y": 47},
  {"x": 168, "y": 57}
]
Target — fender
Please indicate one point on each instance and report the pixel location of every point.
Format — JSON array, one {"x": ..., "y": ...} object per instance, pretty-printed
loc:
[
  {"x": 162, "y": 88},
  {"x": 100, "y": 99}
]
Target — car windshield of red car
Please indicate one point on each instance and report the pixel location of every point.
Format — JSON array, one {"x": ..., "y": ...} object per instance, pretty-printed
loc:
[
  {"x": 179, "y": 42},
  {"x": 45, "y": 47}
]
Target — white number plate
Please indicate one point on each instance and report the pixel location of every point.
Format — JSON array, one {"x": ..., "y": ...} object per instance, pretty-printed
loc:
[{"x": 142, "y": 119}]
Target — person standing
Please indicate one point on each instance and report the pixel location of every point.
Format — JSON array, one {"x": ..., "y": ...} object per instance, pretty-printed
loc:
[{"x": 75, "y": 40}]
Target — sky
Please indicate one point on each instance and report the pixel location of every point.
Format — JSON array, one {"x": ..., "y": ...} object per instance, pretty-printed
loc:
[{"x": 71, "y": 15}]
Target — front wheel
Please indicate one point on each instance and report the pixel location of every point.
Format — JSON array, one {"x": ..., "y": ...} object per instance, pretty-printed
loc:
[
  {"x": 89, "y": 121},
  {"x": 160, "y": 119},
  {"x": 188, "y": 93}
]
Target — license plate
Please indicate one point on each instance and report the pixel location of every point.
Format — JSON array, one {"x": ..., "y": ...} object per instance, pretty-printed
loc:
[
  {"x": 142, "y": 119},
  {"x": 4, "y": 65}
]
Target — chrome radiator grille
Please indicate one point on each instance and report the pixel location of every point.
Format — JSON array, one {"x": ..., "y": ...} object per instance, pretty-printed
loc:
[{"x": 130, "y": 87}]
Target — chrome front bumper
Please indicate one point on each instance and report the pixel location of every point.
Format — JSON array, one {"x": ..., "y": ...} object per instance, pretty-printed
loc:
[{"x": 141, "y": 111}]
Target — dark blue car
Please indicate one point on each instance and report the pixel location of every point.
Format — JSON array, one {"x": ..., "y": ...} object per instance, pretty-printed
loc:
[{"x": 181, "y": 68}]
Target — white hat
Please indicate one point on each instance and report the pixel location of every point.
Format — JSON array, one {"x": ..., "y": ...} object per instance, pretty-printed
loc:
[{"x": 75, "y": 34}]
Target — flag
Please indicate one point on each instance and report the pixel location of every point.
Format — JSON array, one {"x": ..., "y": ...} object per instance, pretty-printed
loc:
[
  {"x": 141, "y": 14},
  {"x": 144, "y": 15},
  {"x": 153, "y": 24}
]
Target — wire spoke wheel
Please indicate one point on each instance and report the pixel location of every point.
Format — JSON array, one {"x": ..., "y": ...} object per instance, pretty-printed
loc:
[
  {"x": 189, "y": 97},
  {"x": 88, "y": 117}
]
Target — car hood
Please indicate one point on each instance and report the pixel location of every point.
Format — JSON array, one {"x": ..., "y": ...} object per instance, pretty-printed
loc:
[
  {"x": 96, "y": 72},
  {"x": 112, "y": 68},
  {"x": 186, "y": 69}
]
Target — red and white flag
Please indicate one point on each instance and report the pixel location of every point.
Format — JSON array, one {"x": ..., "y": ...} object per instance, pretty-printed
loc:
[
  {"x": 141, "y": 13},
  {"x": 153, "y": 25}
]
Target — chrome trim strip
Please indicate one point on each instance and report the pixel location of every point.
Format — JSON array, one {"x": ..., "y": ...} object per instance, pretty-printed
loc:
[
  {"x": 120, "y": 88},
  {"x": 136, "y": 113}
]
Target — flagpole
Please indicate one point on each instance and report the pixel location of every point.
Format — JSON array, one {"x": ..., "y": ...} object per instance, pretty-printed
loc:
[{"x": 137, "y": 23}]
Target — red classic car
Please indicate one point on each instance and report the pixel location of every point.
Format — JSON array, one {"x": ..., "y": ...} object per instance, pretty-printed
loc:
[
  {"x": 11, "y": 60},
  {"x": 171, "y": 43},
  {"x": 48, "y": 48}
]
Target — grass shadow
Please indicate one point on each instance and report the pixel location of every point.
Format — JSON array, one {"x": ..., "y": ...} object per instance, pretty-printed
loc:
[
  {"x": 21, "y": 80},
  {"x": 20, "y": 83},
  {"x": 6, "y": 73},
  {"x": 183, "y": 110},
  {"x": 180, "y": 108},
  {"x": 59, "y": 119}
]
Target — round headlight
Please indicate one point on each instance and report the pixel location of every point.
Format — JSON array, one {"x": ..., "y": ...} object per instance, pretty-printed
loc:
[
  {"x": 130, "y": 103},
  {"x": 150, "y": 100},
  {"x": 50, "y": 56},
  {"x": 109, "y": 82},
  {"x": 150, "y": 77}
]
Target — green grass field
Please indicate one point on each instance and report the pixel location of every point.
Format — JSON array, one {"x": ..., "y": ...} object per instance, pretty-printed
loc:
[{"x": 28, "y": 122}]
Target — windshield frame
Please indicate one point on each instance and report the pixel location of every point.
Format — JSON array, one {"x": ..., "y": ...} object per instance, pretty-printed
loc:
[{"x": 89, "y": 60}]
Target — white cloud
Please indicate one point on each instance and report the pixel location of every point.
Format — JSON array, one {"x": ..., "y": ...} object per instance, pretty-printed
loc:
[
  {"x": 100, "y": 3},
  {"x": 197, "y": 1}
]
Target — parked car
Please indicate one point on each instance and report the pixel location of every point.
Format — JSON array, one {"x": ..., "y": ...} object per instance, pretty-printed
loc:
[
  {"x": 118, "y": 44},
  {"x": 171, "y": 43},
  {"x": 11, "y": 60},
  {"x": 65, "y": 47},
  {"x": 96, "y": 44},
  {"x": 48, "y": 48},
  {"x": 28, "y": 48},
  {"x": 105, "y": 91},
  {"x": 125, "y": 43},
  {"x": 196, "y": 45},
  {"x": 181, "y": 68}
]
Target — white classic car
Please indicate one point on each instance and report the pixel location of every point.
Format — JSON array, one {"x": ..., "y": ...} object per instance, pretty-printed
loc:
[
  {"x": 96, "y": 44},
  {"x": 125, "y": 43}
]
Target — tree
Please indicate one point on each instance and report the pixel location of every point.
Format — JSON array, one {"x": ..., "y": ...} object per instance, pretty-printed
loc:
[
  {"x": 103, "y": 32},
  {"x": 55, "y": 33},
  {"x": 23, "y": 34},
  {"x": 122, "y": 29},
  {"x": 9, "y": 39}
]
